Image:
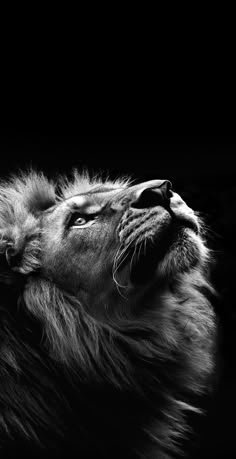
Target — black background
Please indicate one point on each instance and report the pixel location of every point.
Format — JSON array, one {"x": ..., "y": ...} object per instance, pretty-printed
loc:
[{"x": 202, "y": 169}]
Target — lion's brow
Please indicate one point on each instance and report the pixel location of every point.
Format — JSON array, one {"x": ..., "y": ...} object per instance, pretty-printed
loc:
[
  {"x": 98, "y": 190},
  {"x": 86, "y": 193},
  {"x": 93, "y": 191}
]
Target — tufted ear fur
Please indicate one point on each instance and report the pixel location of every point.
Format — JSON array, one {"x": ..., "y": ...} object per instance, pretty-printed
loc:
[
  {"x": 20, "y": 246},
  {"x": 21, "y": 201}
]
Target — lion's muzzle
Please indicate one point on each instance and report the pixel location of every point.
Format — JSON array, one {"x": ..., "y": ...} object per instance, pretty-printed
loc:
[{"x": 156, "y": 222}]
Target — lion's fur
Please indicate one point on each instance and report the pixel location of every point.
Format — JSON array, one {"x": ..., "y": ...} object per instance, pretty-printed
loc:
[{"x": 118, "y": 388}]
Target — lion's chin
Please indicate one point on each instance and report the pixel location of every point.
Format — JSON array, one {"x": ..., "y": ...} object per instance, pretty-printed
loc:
[{"x": 174, "y": 253}]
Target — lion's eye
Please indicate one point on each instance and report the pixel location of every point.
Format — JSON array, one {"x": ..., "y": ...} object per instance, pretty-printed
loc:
[{"x": 81, "y": 220}]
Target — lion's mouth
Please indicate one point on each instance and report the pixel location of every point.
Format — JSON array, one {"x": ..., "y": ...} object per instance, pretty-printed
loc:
[
  {"x": 146, "y": 256},
  {"x": 149, "y": 254}
]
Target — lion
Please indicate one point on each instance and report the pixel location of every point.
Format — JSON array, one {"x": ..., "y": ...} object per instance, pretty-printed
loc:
[{"x": 107, "y": 333}]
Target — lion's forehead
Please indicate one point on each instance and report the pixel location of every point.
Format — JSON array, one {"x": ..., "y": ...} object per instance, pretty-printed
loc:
[
  {"x": 25, "y": 198},
  {"x": 34, "y": 194}
]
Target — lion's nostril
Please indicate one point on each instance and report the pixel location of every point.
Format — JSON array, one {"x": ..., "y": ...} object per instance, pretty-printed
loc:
[{"x": 152, "y": 196}]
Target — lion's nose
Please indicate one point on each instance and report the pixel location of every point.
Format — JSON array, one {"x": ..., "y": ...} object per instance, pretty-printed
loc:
[{"x": 151, "y": 194}]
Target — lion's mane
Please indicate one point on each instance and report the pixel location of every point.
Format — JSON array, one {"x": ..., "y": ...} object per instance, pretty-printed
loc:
[{"x": 121, "y": 388}]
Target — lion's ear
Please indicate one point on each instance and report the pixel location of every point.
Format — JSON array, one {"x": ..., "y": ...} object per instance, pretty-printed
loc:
[
  {"x": 19, "y": 253},
  {"x": 10, "y": 257},
  {"x": 7, "y": 276},
  {"x": 13, "y": 257},
  {"x": 10, "y": 269}
]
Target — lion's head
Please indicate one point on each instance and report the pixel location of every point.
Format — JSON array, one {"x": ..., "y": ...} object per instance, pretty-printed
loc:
[{"x": 104, "y": 297}]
